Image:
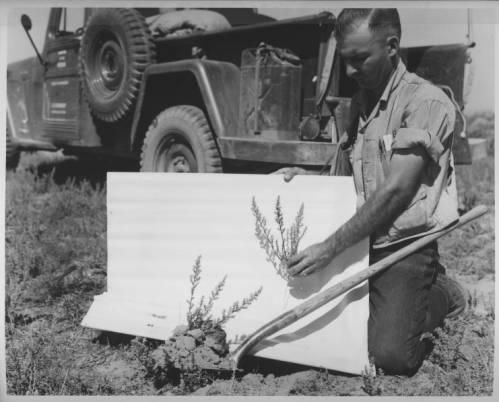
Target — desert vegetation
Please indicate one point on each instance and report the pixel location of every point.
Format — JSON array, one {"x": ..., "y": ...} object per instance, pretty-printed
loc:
[
  {"x": 55, "y": 244},
  {"x": 280, "y": 247}
]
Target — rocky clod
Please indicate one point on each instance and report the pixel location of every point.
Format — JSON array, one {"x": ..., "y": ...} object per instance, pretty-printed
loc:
[
  {"x": 197, "y": 334},
  {"x": 185, "y": 342},
  {"x": 216, "y": 339},
  {"x": 180, "y": 330},
  {"x": 192, "y": 349}
]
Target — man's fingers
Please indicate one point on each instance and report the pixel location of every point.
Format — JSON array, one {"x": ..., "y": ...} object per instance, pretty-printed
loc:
[
  {"x": 298, "y": 268},
  {"x": 295, "y": 259},
  {"x": 308, "y": 270},
  {"x": 292, "y": 173},
  {"x": 281, "y": 171},
  {"x": 289, "y": 172}
]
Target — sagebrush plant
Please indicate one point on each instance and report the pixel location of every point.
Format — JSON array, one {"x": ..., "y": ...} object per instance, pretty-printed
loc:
[
  {"x": 281, "y": 247},
  {"x": 173, "y": 366},
  {"x": 199, "y": 314}
]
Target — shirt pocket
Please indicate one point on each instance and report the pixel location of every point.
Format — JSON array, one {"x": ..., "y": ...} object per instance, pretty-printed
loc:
[{"x": 413, "y": 220}]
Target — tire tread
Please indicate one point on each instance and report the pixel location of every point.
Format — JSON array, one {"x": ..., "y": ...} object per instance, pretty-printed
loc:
[
  {"x": 141, "y": 49},
  {"x": 196, "y": 117}
]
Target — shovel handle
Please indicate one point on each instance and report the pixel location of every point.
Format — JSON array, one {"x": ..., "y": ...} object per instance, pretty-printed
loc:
[{"x": 320, "y": 299}]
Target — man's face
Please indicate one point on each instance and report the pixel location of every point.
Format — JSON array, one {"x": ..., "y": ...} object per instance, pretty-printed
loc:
[{"x": 367, "y": 57}]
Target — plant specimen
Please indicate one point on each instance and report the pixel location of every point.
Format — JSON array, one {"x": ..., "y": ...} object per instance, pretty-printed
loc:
[
  {"x": 281, "y": 247},
  {"x": 199, "y": 315}
]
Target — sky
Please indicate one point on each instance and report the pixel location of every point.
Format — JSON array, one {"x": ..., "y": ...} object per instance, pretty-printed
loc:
[{"x": 420, "y": 26}]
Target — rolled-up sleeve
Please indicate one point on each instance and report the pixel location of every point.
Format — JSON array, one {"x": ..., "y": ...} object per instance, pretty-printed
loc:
[
  {"x": 430, "y": 126},
  {"x": 412, "y": 137}
]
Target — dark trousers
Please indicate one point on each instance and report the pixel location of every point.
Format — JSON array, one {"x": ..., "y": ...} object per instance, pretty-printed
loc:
[{"x": 403, "y": 305}]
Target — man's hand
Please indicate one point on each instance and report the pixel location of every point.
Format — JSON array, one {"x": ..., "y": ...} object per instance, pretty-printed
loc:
[
  {"x": 290, "y": 172},
  {"x": 313, "y": 258}
]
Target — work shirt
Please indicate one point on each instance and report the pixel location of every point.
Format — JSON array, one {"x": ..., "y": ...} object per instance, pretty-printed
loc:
[{"x": 410, "y": 113}]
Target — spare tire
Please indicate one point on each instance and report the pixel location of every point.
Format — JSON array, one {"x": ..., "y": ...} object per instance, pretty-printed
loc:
[{"x": 116, "y": 48}]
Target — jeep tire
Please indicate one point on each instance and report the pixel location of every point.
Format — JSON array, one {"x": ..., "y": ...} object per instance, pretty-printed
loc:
[
  {"x": 116, "y": 48},
  {"x": 180, "y": 140},
  {"x": 13, "y": 152}
]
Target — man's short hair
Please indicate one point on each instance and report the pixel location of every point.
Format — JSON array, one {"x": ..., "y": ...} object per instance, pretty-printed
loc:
[{"x": 378, "y": 19}]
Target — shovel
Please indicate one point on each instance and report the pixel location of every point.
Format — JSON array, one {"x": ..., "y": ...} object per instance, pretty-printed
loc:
[{"x": 320, "y": 299}]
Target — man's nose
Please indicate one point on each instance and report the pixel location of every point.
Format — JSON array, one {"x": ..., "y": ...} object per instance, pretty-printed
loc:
[{"x": 351, "y": 70}]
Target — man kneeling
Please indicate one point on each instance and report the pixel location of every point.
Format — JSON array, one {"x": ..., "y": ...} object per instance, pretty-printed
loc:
[{"x": 399, "y": 139}]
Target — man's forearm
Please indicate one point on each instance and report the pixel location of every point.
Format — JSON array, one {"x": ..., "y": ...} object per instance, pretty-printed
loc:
[{"x": 378, "y": 211}]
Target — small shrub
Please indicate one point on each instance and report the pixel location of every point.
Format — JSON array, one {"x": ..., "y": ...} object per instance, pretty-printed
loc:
[
  {"x": 200, "y": 315},
  {"x": 180, "y": 364},
  {"x": 282, "y": 247}
]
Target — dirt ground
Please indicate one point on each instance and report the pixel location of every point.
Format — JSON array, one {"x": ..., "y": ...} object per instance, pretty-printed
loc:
[{"x": 55, "y": 261}]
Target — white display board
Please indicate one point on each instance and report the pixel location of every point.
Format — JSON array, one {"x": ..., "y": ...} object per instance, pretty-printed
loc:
[{"x": 158, "y": 224}]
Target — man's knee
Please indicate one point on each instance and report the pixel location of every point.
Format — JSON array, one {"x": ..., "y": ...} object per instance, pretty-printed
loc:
[{"x": 397, "y": 359}]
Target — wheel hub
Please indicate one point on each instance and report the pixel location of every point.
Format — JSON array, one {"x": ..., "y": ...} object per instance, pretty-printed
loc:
[
  {"x": 175, "y": 157},
  {"x": 112, "y": 65},
  {"x": 179, "y": 164}
]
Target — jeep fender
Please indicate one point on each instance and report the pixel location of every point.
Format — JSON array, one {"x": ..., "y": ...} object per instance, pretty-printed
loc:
[{"x": 210, "y": 85}]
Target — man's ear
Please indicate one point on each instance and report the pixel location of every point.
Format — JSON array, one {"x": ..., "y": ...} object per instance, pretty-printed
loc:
[{"x": 393, "y": 44}]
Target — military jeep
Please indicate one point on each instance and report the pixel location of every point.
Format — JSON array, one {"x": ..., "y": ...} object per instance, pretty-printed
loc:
[{"x": 216, "y": 90}]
